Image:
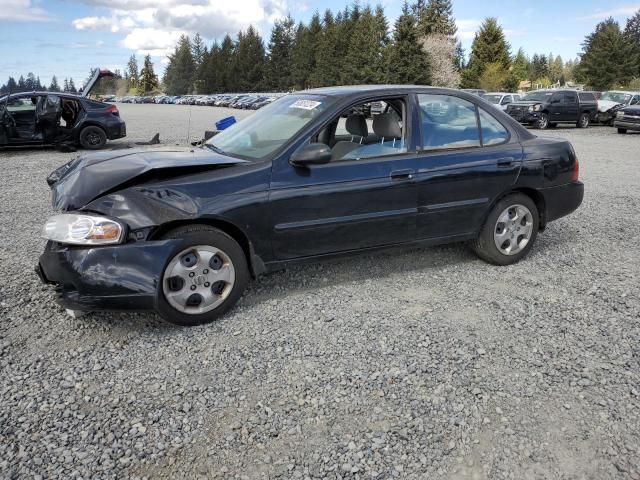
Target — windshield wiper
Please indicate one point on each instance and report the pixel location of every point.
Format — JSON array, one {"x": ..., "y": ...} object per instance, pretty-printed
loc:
[{"x": 215, "y": 149}]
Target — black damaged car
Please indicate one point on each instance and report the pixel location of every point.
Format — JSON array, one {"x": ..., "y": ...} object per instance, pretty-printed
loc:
[
  {"x": 54, "y": 118},
  {"x": 182, "y": 231},
  {"x": 628, "y": 118}
]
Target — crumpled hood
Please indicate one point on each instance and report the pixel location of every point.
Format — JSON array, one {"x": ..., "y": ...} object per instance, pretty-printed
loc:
[
  {"x": 605, "y": 105},
  {"x": 89, "y": 176}
]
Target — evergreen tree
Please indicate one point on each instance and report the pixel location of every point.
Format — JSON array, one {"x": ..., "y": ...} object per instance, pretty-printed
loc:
[
  {"x": 30, "y": 82},
  {"x": 39, "y": 86},
  {"x": 249, "y": 60},
  {"x": 437, "y": 18},
  {"x": 12, "y": 86},
  {"x": 21, "y": 84},
  {"x": 303, "y": 52},
  {"x": 632, "y": 29},
  {"x": 180, "y": 72},
  {"x": 406, "y": 60},
  {"x": 556, "y": 68},
  {"x": 368, "y": 39},
  {"x": 327, "y": 67},
  {"x": 489, "y": 46},
  {"x": 65, "y": 87},
  {"x": 278, "y": 67},
  {"x": 132, "y": 73},
  {"x": 211, "y": 70},
  {"x": 609, "y": 57},
  {"x": 227, "y": 52},
  {"x": 72, "y": 86},
  {"x": 148, "y": 78},
  {"x": 520, "y": 66},
  {"x": 198, "y": 49}
]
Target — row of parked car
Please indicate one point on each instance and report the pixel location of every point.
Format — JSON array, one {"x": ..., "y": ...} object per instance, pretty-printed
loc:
[
  {"x": 547, "y": 108},
  {"x": 242, "y": 100}
]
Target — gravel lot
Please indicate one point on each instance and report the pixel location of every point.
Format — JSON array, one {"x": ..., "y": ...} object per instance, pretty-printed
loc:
[{"x": 422, "y": 363}]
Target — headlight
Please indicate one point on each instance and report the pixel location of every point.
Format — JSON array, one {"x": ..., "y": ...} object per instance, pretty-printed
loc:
[
  {"x": 536, "y": 108},
  {"x": 76, "y": 229},
  {"x": 620, "y": 114}
]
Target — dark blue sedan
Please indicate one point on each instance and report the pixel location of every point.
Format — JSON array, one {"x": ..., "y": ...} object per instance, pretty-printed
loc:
[{"x": 313, "y": 175}]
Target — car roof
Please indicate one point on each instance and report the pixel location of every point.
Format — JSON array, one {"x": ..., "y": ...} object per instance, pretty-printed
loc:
[{"x": 347, "y": 90}]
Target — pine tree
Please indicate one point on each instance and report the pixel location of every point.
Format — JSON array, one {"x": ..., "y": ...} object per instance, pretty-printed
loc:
[
  {"x": 12, "y": 86},
  {"x": 609, "y": 58},
  {"x": 227, "y": 52},
  {"x": 368, "y": 39},
  {"x": 132, "y": 73},
  {"x": 180, "y": 72},
  {"x": 211, "y": 70},
  {"x": 72, "y": 86},
  {"x": 632, "y": 29},
  {"x": 21, "y": 84},
  {"x": 327, "y": 67},
  {"x": 489, "y": 46},
  {"x": 303, "y": 52},
  {"x": 556, "y": 68},
  {"x": 39, "y": 86},
  {"x": 249, "y": 60},
  {"x": 437, "y": 18},
  {"x": 520, "y": 66},
  {"x": 65, "y": 87},
  {"x": 148, "y": 78},
  {"x": 198, "y": 49},
  {"x": 30, "y": 82},
  {"x": 406, "y": 60},
  {"x": 278, "y": 67}
]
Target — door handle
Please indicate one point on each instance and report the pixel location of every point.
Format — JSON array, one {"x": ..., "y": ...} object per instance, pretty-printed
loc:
[
  {"x": 402, "y": 174},
  {"x": 505, "y": 162}
]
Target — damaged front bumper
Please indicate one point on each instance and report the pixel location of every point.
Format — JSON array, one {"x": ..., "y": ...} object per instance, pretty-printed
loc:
[{"x": 118, "y": 277}]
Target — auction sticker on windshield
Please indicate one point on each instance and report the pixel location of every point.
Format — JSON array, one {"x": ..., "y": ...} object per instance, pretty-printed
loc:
[{"x": 305, "y": 104}]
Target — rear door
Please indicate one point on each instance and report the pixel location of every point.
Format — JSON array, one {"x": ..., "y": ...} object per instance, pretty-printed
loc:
[
  {"x": 467, "y": 159},
  {"x": 571, "y": 106},
  {"x": 556, "y": 107}
]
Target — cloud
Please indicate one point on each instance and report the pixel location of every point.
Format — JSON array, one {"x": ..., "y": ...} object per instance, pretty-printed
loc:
[
  {"x": 22, "y": 11},
  {"x": 467, "y": 28},
  {"x": 625, "y": 11},
  {"x": 153, "y": 26}
]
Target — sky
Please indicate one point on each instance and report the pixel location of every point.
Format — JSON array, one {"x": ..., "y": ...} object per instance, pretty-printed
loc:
[{"x": 69, "y": 37}]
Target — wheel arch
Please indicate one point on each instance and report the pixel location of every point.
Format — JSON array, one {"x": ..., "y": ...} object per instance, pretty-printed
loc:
[
  {"x": 256, "y": 265},
  {"x": 533, "y": 194},
  {"x": 88, "y": 123}
]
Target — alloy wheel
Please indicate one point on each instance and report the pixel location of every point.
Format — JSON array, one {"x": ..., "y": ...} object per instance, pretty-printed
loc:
[
  {"x": 198, "y": 279},
  {"x": 513, "y": 229}
]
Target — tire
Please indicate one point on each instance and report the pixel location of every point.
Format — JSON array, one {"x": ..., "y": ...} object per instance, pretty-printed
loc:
[
  {"x": 622, "y": 131},
  {"x": 92, "y": 138},
  {"x": 495, "y": 231},
  {"x": 583, "y": 121},
  {"x": 217, "y": 292},
  {"x": 543, "y": 121}
]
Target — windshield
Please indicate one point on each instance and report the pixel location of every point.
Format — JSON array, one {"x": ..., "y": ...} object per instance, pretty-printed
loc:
[
  {"x": 271, "y": 127},
  {"x": 493, "y": 98},
  {"x": 617, "y": 97},
  {"x": 537, "y": 96}
]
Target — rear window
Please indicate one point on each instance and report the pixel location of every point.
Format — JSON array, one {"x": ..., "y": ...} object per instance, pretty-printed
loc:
[{"x": 586, "y": 97}]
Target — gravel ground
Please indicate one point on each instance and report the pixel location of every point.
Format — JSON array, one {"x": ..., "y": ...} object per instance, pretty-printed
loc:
[{"x": 420, "y": 363}]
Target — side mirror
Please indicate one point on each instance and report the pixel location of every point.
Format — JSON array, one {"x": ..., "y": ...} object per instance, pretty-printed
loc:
[{"x": 311, "y": 154}]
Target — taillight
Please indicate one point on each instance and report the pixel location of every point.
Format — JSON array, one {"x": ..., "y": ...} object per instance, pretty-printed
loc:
[
  {"x": 575, "y": 173},
  {"x": 112, "y": 109}
]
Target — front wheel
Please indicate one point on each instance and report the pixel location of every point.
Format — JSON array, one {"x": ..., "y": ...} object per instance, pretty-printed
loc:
[
  {"x": 205, "y": 276},
  {"x": 509, "y": 232},
  {"x": 583, "y": 121},
  {"x": 543, "y": 121},
  {"x": 622, "y": 131},
  {"x": 93, "y": 138}
]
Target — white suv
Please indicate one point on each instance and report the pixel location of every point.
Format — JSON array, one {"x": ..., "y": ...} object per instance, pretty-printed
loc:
[{"x": 501, "y": 99}]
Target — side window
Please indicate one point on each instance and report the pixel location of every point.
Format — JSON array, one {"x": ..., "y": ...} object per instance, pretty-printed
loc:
[
  {"x": 635, "y": 100},
  {"x": 506, "y": 100},
  {"x": 369, "y": 130},
  {"x": 448, "y": 122},
  {"x": 493, "y": 132},
  {"x": 557, "y": 98},
  {"x": 22, "y": 104},
  {"x": 587, "y": 97},
  {"x": 570, "y": 98}
]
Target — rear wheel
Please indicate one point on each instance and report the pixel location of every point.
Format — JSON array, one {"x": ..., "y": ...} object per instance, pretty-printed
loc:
[
  {"x": 93, "y": 138},
  {"x": 622, "y": 131},
  {"x": 543, "y": 121},
  {"x": 205, "y": 276},
  {"x": 584, "y": 120},
  {"x": 509, "y": 232}
]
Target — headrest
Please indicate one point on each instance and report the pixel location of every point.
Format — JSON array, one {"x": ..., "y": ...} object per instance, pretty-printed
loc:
[
  {"x": 386, "y": 125},
  {"x": 356, "y": 124}
]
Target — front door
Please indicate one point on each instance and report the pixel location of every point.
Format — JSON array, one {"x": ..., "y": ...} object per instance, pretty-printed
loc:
[
  {"x": 468, "y": 158},
  {"x": 570, "y": 106},
  {"x": 556, "y": 107},
  {"x": 365, "y": 197}
]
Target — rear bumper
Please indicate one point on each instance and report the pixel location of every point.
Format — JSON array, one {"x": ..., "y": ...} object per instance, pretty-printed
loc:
[
  {"x": 117, "y": 130},
  {"x": 119, "y": 277},
  {"x": 562, "y": 200},
  {"x": 627, "y": 125}
]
